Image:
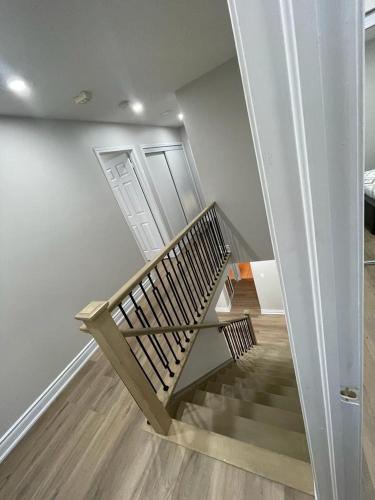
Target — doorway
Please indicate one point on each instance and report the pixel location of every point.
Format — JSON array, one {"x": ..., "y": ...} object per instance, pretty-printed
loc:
[
  {"x": 174, "y": 185},
  {"x": 122, "y": 174}
]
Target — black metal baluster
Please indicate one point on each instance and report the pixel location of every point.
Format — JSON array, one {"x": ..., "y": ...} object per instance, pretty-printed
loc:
[
  {"x": 239, "y": 333},
  {"x": 234, "y": 342},
  {"x": 213, "y": 243},
  {"x": 203, "y": 261},
  {"x": 198, "y": 271},
  {"x": 222, "y": 250},
  {"x": 189, "y": 271},
  {"x": 152, "y": 338},
  {"x": 207, "y": 252},
  {"x": 167, "y": 316},
  {"x": 229, "y": 344},
  {"x": 248, "y": 336},
  {"x": 236, "y": 339},
  {"x": 179, "y": 321},
  {"x": 219, "y": 231},
  {"x": 158, "y": 322},
  {"x": 193, "y": 267},
  {"x": 244, "y": 334},
  {"x": 176, "y": 295},
  {"x": 186, "y": 284},
  {"x": 144, "y": 350}
]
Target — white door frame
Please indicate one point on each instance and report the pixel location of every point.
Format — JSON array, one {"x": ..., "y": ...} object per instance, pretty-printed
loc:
[
  {"x": 301, "y": 63},
  {"x": 137, "y": 165}
]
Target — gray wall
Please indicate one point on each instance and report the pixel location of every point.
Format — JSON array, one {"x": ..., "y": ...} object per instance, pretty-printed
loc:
[
  {"x": 219, "y": 132},
  {"x": 63, "y": 241},
  {"x": 370, "y": 105}
]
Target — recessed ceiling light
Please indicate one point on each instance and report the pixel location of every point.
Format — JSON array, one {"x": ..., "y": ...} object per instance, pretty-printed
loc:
[
  {"x": 137, "y": 107},
  {"x": 19, "y": 86},
  {"x": 180, "y": 116}
]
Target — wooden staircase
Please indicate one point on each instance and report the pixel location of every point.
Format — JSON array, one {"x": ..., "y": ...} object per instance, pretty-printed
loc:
[{"x": 248, "y": 414}]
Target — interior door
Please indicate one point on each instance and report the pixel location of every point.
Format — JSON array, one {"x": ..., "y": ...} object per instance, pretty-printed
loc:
[
  {"x": 167, "y": 192},
  {"x": 183, "y": 181},
  {"x": 126, "y": 187}
]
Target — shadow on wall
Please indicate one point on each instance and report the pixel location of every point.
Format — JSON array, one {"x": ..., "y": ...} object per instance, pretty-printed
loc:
[{"x": 240, "y": 249}]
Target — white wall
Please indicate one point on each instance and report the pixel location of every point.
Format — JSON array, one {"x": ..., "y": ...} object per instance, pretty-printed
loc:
[
  {"x": 370, "y": 105},
  {"x": 64, "y": 242},
  {"x": 219, "y": 132},
  {"x": 267, "y": 284}
]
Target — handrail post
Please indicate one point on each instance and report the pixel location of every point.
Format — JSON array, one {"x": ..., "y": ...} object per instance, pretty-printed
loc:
[
  {"x": 251, "y": 329},
  {"x": 102, "y": 327}
]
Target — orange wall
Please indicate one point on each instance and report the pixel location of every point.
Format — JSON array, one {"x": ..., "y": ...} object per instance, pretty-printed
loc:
[{"x": 245, "y": 270}]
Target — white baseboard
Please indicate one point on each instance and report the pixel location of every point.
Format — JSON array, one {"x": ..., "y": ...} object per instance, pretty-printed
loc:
[
  {"x": 9, "y": 440},
  {"x": 272, "y": 311}
]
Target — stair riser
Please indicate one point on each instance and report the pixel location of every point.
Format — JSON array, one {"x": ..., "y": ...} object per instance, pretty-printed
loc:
[
  {"x": 267, "y": 414},
  {"x": 249, "y": 395},
  {"x": 288, "y": 443}
]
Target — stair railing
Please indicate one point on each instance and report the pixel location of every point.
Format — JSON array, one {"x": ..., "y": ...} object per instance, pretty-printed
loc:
[
  {"x": 239, "y": 335},
  {"x": 170, "y": 294}
]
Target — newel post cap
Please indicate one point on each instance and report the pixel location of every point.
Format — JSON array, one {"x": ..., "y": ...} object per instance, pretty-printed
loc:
[{"x": 92, "y": 311}]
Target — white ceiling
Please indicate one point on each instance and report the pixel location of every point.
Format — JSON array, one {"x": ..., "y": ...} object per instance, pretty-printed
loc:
[{"x": 119, "y": 49}]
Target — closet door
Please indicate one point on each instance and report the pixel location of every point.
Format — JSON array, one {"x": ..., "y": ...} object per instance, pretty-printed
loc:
[
  {"x": 167, "y": 192},
  {"x": 183, "y": 180}
]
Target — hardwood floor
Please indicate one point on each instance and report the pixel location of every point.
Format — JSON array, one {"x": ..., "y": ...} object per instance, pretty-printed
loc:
[
  {"x": 90, "y": 445},
  {"x": 369, "y": 371}
]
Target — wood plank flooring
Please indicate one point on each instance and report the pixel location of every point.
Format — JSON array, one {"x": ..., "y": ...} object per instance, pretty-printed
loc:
[
  {"x": 369, "y": 372},
  {"x": 90, "y": 445}
]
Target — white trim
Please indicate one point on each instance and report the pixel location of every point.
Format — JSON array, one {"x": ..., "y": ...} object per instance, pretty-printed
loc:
[
  {"x": 24, "y": 423},
  {"x": 297, "y": 130},
  {"x": 272, "y": 311}
]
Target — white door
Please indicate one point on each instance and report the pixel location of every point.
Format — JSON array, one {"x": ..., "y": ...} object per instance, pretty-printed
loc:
[
  {"x": 184, "y": 183},
  {"x": 166, "y": 190},
  {"x": 125, "y": 185}
]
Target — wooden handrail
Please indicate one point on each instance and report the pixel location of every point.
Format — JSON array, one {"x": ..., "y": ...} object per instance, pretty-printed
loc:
[
  {"x": 118, "y": 296},
  {"x": 138, "y": 332}
]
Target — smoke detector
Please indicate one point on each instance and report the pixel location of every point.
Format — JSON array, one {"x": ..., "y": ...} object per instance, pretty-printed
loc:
[
  {"x": 83, "y": 97},
  {"x": 123, "y": 104}
]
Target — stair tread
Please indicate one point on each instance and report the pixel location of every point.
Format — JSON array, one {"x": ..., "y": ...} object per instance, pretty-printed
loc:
[
  {"x": 264, "y": 435},
  {"x": 279, "y": 468},
  {"x": 268, "y": 414}
]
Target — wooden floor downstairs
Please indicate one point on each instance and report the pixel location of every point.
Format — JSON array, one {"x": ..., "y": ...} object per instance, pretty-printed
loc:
[{"x": 90, "y": 445}]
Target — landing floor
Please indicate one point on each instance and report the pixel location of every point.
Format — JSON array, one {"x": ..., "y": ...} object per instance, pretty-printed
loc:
[{"x": 89, "y": 445}]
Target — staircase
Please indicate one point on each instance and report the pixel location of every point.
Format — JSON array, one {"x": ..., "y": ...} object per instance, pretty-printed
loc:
[
  {"x": 246, "y": 413},
  {"x": 251, "y": 410}
]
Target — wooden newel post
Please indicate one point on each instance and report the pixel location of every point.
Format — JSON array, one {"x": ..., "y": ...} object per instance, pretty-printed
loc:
[
  {"x": 100, "y": 324},
  {"x": 252, "y": 333}
]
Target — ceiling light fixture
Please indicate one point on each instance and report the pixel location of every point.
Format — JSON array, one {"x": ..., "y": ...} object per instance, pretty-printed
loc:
[
  {"x": 137, "y": 107},
  {"x": 180, "y": 116},
  {"x": 19, "y": 86}
]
